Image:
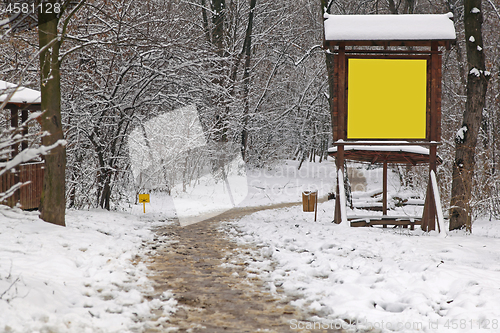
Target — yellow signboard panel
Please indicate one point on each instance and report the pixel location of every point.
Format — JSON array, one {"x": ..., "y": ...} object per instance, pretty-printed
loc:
[
  {"x": 143, "y": 197},
  {"x": 386, "y": 98}
]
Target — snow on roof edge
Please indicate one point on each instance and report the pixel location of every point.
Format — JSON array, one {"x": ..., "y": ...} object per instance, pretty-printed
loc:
[
  {"x": 407, "y": 149},
  {"x": 21, "y": 95},
  {"x": 389, "y": 27}
]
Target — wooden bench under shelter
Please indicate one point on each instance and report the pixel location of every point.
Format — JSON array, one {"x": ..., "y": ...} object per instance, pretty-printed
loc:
[
  {"x": 385, "y": 100},
  {"x": 390, "y": 153},
  {"x": 20, "y": 101}
]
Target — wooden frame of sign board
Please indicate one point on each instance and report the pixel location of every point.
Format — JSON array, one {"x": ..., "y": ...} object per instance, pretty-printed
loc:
[{"x": 348, "y": 115}]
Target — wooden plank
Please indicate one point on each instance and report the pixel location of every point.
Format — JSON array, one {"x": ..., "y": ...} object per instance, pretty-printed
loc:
[
  {"x": 383, "y": 217},
  {"x": 384, "y": 53},
  {"x": 359, "y": 224},
  {"x": 394, "y": 222},
  {"x": 381, "y": 142},
  {"x": 385, "y": 223},
  {"x": 373, "y": 157},
  {"x": 8, "y": 180},
  {"x": 32, "y": 107},
  {"x": 29, "y": 195}
]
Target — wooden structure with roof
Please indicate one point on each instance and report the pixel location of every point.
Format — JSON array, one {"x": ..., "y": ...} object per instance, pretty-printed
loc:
[
  {"x": 386, "y": 106},
  {"x": 20, "y": 101}
]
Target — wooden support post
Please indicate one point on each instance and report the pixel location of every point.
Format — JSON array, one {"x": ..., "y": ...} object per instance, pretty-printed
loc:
[
  {"x": 316, "y": 206},
  {"x": 342, "y": 98},
  {"x": 384, "y": 190},
  {"x": 430, "y": 213},
  {"x": 435, "y": 93},
  {"x": 24, "y": 118},
  {"x": 339, "y": 161},
  {"x": 14, "y": 122},
  {"x": 425, "y": 220},
  {"x": 342, "y": 111},
  {"x": 432, "y": 205}
]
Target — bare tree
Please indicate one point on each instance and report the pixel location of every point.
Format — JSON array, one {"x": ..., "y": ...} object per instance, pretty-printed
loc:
[
  {"x": 50, "y": 36},
  {"x": 467, "y": 135}
]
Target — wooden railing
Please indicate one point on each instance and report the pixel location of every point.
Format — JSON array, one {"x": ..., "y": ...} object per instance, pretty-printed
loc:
[{"x": 28, "y": 195}]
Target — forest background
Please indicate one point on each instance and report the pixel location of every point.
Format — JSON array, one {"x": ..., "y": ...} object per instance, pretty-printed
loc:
[{"x": 256, "y": 72}]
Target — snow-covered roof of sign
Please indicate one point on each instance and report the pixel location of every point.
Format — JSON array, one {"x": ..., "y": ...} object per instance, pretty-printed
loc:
[
  {"x": 22, "y": 95},
  {"x": 411, "y": 27}
]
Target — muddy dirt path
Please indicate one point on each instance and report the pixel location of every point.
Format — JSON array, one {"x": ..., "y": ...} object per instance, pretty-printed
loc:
[{"x": 202, "y": 268}]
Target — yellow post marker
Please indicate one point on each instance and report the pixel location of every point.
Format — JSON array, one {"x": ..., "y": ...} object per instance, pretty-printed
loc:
[{"x": 144, "y": 198}]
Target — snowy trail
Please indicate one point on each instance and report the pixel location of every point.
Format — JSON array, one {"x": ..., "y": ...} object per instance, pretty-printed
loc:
[
  {"x": 207, "y": 274},
  {"x": 239, "y": 212}
]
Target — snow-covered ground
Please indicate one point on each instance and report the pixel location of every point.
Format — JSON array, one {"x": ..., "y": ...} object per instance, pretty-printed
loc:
[
  {"x": 278, "y": 184},
  {"x": 390, "y": 279},
  {"x": 78, "y": 278},
  {"x": 84, "y": 277}
]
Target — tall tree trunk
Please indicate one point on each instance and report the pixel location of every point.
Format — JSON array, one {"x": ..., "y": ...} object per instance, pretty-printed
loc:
[
  {"x": 466, "y": 139},
  {"x": 458, "y": 48},
  {"x": 330, "y": 65},
  {"x": 53, "y": 202},
  {"x": 247, "y": 48},
  {"x": 205, "y": 20},
  {"x": 218, "y": 18},
  {"x": 106, "y": 191},
  {"x": 218, "y": 34}
]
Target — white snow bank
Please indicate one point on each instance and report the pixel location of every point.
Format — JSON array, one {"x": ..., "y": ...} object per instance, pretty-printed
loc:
[
  {"x": 389, "y": 27},
  {"x": 391, "y": 279},
  {"x": 78, "y": 278}
]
